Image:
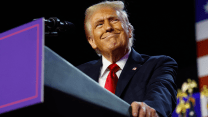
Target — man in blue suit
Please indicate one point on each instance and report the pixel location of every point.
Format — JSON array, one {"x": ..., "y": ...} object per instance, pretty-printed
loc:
[{"x": 145, "y": 82}]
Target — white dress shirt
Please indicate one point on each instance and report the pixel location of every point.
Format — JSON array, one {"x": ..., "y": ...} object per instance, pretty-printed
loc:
[{"x": 105, "y": 71}]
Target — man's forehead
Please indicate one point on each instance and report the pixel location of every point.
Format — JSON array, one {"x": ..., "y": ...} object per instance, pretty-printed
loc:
[{"x": 104, "y": 13}]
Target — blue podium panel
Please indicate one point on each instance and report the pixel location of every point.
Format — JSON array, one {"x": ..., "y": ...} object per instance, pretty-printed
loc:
[{"x": 21, "y": 66}]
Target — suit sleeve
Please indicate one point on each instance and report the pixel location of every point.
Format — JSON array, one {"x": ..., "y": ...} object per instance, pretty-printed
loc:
[{"x": 161, "y": 90}]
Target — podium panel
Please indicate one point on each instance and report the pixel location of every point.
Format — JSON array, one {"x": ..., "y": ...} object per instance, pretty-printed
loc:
[
  {"x": 21, "y": 66},
  {"x": 62, "y": 76}
]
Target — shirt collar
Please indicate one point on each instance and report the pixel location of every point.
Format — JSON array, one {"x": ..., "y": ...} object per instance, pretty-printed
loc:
[{"x": 120, "y": 63}]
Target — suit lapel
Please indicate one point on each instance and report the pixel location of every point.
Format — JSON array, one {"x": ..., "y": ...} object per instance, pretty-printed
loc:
[
  {"x": 134, "y": 61},
  {"x": 132, "y": 65},
  {"x": 94, "y": 71}
]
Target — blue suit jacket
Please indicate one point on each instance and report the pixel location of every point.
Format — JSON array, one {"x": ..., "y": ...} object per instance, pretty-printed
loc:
[{"x": 153, "y": 82}]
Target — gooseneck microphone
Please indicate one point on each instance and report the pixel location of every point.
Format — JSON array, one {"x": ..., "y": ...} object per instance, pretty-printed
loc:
[{"x": 53, "y": 26}]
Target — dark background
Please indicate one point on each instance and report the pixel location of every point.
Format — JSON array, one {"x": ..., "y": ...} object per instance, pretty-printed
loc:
[{"x": 161, "y": 28}]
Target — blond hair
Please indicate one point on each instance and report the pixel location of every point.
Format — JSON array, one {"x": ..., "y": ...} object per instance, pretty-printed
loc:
[{"x": 117, "y": 5}]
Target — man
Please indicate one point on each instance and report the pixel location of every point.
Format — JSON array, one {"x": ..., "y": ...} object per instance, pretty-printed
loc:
[{"x": 145, "y": 82}]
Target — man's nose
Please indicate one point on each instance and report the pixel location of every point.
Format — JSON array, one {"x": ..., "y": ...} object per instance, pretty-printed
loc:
[{"x": 108, "y": 26}]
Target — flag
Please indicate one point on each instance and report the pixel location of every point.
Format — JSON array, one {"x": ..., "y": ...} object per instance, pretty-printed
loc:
[{"x": 201, "y": 29}]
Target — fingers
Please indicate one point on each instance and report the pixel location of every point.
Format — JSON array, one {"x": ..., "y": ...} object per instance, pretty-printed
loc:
[
  {"x": 140, "y": 109},
  {"x": 156, "y": 115},
  {"x": 153, "y": 113},
  {"x": 148, "y": 111},
  {"x": 143, "y": 110},
  {"x": 135, "y": 107}
]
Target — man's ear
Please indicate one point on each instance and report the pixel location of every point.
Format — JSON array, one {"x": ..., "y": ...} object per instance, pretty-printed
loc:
[{"x": 92, "y": 42}]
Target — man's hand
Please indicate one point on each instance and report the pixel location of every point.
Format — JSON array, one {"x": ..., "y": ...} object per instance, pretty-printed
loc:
[{"x": 140, "y": 109}]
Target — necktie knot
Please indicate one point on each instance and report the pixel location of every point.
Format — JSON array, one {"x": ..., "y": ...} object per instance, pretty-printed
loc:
[{"x": 114, "y": 67}]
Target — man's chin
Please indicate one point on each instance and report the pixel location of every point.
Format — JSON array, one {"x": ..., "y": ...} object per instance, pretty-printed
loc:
[
  {"x": 117, "y": 49},
  {"x": 113, "y": 46}
]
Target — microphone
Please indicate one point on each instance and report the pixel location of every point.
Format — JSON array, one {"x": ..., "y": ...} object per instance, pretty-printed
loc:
[
  {"x": 53, "y": 26},
  {"x": 53, "y": 23}
]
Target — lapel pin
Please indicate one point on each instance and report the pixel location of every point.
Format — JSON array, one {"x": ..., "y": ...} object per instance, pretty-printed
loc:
[{"x": 134, "y": 68}]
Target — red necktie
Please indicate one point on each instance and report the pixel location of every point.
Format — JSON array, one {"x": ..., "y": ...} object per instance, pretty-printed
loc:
[{"x": 112, "y": 79}]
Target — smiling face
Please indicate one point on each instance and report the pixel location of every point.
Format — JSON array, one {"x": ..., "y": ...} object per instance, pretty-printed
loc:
[{"x": 107, "y": 30}]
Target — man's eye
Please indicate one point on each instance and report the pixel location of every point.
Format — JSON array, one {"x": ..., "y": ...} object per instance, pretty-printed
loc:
[
  {"x": 115, "y": 20},
  {"x": 99, "y": 24}
]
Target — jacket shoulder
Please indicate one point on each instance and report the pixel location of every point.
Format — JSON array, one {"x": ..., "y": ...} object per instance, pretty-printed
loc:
[
  {"x": 86, "y": 65},
  {"x": 157, "y": 58}
]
